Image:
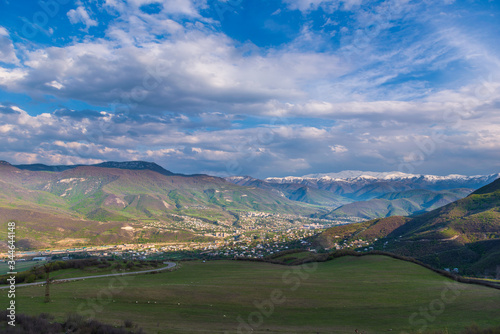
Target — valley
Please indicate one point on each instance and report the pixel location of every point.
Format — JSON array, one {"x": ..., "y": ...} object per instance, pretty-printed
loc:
[
  {"x": 249, "y": 167},
  {"x": 59, "y": 209},
  {"x": 327, "y": 246}
]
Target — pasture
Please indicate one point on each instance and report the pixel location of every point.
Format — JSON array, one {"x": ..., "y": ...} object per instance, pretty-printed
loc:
[{"x": 371, "y": 294}]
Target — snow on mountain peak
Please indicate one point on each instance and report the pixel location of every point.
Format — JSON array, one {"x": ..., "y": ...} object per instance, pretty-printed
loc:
[{"x": 356, "y": 175}]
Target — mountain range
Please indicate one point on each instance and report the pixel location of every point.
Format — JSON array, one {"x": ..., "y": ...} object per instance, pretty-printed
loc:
[
  {"x": 293, "y": 191},
  {"x": 368, "y": 195},
  {"x": 464, "y": 234},
  {"x": 404, "y": 203},
  {"x": 361, "y": 186},
  {"x": 111, "y": 201}
]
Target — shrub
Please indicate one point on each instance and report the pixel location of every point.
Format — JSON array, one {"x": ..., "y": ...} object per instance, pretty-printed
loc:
[
  {"x": 128, "y": 323},
  {"x": 30, "y": 279}
]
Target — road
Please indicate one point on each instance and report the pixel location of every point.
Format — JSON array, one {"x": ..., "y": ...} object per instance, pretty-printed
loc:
[{"x": 169, "y": 265}]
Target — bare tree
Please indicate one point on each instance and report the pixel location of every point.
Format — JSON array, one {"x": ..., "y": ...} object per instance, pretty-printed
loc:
[{"x": 48, "y": 268}]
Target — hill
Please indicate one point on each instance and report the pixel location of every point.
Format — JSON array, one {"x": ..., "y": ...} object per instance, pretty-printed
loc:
[
  {"x": 293, "y": 191},
  {"x": 132, "y": 165},
  {"x": 111, "y": 202},
  {"x": 464, "y": 234},
  {"x": 368, "y": 230},
  {"x": 403, "y": 203}
]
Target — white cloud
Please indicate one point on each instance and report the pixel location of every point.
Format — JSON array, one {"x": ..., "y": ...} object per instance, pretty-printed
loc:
[
  {"x": 80, "y": 15},
  {"x": 191, "y": 72},
  {"x": 188, "y": 8},
  {"x": 7, "y": 51},
  {"x": 55, "y": 84},
  {"x": 369, "y": 101},
  {"x": 76, "y": 137},
  {"x": 9, "y": 77},
  {"x": 338, "y": 148},
  {"x": 327, "y": 5}
]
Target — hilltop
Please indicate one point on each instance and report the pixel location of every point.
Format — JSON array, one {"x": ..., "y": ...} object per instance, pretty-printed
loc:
[{"x": 132, "y": 165}]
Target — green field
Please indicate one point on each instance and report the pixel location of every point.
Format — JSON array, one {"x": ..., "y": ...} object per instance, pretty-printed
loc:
[
  {"x": 20, "y": 266},
  {"x": 100, "y": 268},
  {"x": 373, "y": 294}
]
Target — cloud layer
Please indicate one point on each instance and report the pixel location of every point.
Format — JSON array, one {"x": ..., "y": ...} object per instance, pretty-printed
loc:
[{"x": 386, "y": 85}]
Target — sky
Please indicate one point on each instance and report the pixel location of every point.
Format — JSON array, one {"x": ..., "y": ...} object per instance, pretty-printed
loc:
[{"x": 248, "y": 87}]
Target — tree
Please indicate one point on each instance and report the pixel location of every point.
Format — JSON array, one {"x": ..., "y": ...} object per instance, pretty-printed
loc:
[{"x": 48, "y": 268}]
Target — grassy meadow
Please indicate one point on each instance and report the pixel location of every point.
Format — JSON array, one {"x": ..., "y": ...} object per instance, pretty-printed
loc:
[
  {"x": 20, "y": 266},
  {"x": 372, "y": 294}
]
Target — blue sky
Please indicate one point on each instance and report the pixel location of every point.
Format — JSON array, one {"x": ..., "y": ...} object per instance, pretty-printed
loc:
[{"x": 263, "y": 88}]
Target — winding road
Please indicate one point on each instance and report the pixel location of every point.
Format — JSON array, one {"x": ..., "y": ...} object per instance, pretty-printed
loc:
[{"x": 169, "y": 265}]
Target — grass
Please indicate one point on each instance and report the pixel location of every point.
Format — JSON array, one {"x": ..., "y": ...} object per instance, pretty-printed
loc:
[
  {"x": 372, "y": 294},
  {"x": 94, "y": 270},
  {"x": 20, "y": 266},
  {"x": 116, "y": 266},
  {"x": 289, "y": 258}
]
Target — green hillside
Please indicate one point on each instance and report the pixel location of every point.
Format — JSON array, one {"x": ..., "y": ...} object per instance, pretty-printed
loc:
[
  {"x": 403, "y": 203},
  {"x": 89, "y": 205},
  {"x": 294, "y": 192},
  {"x": 311, "y": 195},
  {"x": 473, "y": 218},
  {"x": 369, "y": 230},
  {"x": 464, "y": 234},
  {"x": 371, "y": 294},
  {"x": 84, "y": 189}
]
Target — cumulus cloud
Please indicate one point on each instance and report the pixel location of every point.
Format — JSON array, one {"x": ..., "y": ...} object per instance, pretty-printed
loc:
[
  {"x": 278, "y": 148},
  {"x": 7, "y": 51},
  {"x": 80, "y": 15},
  {"x": 338, "y": 148},
  {"x": 172, "y": 87},
  {"x": 192, "y": 73}
]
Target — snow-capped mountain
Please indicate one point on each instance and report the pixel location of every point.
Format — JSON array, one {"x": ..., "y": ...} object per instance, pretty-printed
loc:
[
  {"x": 357, "y": 175},
  {"x": 353, "y": 174},
  {"x": 361, "y": 185}
]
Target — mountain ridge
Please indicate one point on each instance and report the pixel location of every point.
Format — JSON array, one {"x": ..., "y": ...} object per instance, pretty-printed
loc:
[
  {"x": 404, "y": 203},
  {"x": 357, "y": 187},
  {"x": 91, "y": 204},
  {"x": 293, "y": 191},
  {"x": 356, "y": 174},
  {"x": 464, "y": 234},
  {"x": 131, "y": 165}
]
